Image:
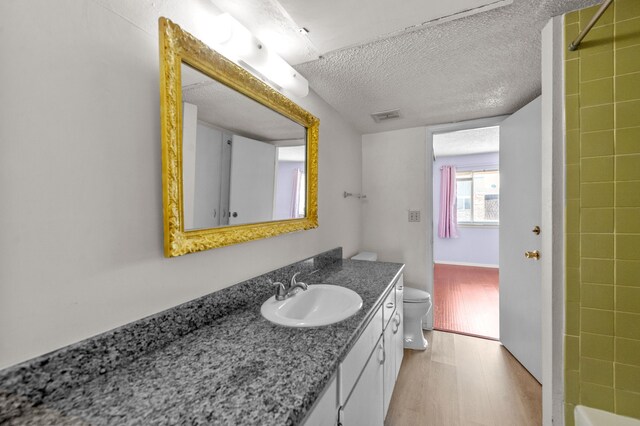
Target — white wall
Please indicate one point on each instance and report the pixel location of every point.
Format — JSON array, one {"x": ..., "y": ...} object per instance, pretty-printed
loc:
[
  {"x": 80, "y": 178},
  {"x": 396, "y": 177}
]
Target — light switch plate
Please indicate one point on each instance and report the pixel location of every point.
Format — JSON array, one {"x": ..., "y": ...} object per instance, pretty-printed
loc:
[{"x": 414, "y": 215}]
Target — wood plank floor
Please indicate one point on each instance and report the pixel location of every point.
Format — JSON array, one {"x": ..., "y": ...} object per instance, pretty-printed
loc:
[
  {"x": 466, "y": 300},
  {"x": 463, "y": 380}
]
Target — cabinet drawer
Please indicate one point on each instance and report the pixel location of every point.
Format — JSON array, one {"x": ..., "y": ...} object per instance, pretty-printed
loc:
[
  {"x": 388, "y": 307},
  {"x": 355, "y": 361}
]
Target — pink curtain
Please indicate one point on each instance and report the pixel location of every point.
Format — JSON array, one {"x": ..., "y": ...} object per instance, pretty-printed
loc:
[{"x": 448, "y": 225}]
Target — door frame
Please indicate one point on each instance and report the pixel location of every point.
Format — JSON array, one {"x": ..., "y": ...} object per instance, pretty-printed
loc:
[
  {"x": 431, "y": 131},
  {"x": 552, "y": 241},
  {"x": 553, "y": 198},
  {"x": 552, "y": 222}
]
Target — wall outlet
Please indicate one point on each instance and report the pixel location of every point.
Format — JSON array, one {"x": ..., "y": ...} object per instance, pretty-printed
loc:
[{"x": 414, "y": 215}]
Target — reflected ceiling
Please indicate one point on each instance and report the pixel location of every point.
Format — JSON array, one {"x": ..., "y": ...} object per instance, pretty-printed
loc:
[{"x": 227, "y": 109}]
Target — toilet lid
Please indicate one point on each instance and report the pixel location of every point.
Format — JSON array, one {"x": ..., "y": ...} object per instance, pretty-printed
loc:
[
  {"x": 415, "y": 295},
  {"x": 366, "y": 255}
]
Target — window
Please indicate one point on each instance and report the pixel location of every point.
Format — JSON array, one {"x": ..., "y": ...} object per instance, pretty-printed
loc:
[{"x": 478, "y": 197}]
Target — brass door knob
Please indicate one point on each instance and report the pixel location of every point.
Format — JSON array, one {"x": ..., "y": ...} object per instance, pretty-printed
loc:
[{"x": 532, "y": 254}]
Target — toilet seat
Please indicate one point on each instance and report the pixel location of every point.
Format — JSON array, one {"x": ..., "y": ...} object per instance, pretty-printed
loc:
[{"x": 413, "y": 295}]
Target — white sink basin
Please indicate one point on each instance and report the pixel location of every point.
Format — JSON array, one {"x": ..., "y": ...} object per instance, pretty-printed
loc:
[{"x": 321, "y": 304}]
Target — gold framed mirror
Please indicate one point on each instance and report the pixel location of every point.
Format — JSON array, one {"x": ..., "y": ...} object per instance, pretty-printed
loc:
[{"x": 239, "y": 159}]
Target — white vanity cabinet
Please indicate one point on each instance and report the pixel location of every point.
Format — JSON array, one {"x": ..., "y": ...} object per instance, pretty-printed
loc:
[{"x": 368, "y": 374}]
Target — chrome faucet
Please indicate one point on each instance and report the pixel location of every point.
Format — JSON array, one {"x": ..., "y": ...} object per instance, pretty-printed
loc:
[{"x": 283, "y": 292}]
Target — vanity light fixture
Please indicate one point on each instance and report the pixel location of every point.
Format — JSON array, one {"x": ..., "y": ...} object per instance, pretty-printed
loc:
[{"x": 236, "y": 42}]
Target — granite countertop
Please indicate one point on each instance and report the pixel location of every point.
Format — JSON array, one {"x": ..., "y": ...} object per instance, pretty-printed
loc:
[{"x": 239, "y": 369}]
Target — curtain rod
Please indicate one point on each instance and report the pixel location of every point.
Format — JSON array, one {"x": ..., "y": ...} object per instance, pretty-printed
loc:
[{"x": 575, "y": 43}]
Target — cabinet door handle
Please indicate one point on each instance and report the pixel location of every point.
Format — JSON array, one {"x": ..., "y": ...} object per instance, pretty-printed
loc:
[
  {"x": 390, "y": 305},
  {"x": 396, "y": 322},
  {"x": 384, "y": 357}
]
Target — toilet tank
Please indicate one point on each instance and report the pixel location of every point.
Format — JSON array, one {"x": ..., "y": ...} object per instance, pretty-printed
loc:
[{"x": 366, "y": 255}]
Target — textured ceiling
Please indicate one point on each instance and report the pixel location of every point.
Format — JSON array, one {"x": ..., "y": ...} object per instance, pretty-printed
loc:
[
  {"x": 478, "y": 66},
  {"x": 329, "y": 31},
  {"x": 465, "y": 142}
]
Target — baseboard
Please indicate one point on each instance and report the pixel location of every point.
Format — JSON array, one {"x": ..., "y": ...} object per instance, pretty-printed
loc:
[{"x": 477, "y": 265}]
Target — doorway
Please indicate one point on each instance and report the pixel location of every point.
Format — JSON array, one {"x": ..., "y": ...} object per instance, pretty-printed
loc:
[{"x": 466, "y": 200}]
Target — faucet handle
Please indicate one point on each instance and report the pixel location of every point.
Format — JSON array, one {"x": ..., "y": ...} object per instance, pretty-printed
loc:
[
  {"x": 281, "y": 290},
  {"x": 297, "y": 284},
  {"x": 293, "y": 279}
]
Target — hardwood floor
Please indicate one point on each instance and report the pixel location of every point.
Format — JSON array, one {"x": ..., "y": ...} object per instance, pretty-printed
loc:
[
  {"x": 466, "y": 300},
  {"x": 463, "y": 380}
]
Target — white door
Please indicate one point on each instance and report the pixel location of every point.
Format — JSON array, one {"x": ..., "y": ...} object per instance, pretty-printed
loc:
[
  {"x": 225, "y": 177},
  {"x": 207, "y": 179},
  {"x": 520, "y": 212},
  {"x": 252, "y": 181}
]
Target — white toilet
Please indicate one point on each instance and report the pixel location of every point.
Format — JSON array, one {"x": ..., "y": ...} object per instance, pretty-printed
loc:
[{"x": 417, "y": 304}]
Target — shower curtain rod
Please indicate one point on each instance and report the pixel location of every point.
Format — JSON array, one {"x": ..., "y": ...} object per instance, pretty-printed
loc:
[{"x": 575, "y": 43}]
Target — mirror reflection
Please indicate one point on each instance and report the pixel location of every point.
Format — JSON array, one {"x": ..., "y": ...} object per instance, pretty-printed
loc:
[{"x": 241, "y": 162}]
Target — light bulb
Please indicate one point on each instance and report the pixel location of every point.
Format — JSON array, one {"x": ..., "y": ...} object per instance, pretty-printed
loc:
[{"x": 237, "y": 43}]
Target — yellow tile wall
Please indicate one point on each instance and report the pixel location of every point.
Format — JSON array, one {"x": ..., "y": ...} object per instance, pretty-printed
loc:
[{"x": 602, "y": 330}]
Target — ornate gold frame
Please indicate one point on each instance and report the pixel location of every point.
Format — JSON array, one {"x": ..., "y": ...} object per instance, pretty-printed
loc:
[{"x": 176, "y": 46}]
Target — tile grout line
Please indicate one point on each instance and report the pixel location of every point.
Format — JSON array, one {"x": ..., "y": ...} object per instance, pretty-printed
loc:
[
  {"x": 606, "y": 78},
  {"x": 615, "y": 212},
  {"x": 579, "y": 248}
]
